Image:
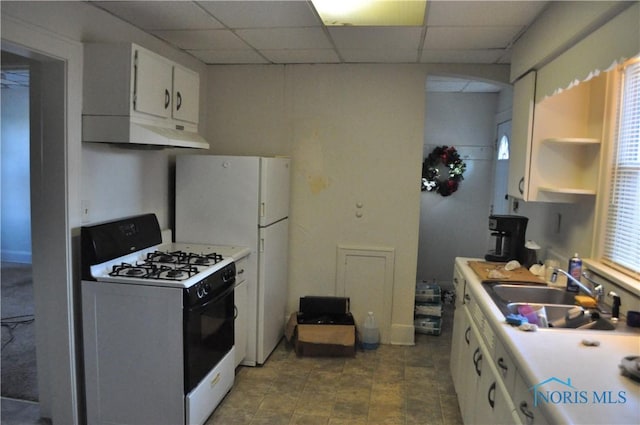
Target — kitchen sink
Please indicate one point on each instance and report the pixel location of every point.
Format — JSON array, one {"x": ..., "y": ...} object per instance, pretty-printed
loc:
[
  {"x": 536, "y": 294},
  {"x": 557, "y": 316},
  {"x": 556, "y": 301}
]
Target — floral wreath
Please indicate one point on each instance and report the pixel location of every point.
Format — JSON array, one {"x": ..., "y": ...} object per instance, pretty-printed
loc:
[{"x": 449, "y": 157}]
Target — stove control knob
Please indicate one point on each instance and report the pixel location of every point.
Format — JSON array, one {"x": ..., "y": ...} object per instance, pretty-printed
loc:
[
  {"x": 227, "y": 274},
  {"x": 200, "y": 292},
  {"x": 206, "y": 288}
]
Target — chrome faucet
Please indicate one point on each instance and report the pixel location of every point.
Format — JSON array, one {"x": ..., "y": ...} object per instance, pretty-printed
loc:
[{"x": 597, "y": 292}]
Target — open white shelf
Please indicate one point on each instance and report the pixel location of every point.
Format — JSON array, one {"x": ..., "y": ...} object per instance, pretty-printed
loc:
[
  {"x": 573, "y": 140},
  {"x": 567, "y": 190}
]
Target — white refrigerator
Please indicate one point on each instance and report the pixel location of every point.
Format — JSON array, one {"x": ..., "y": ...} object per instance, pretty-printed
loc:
[{"x": 242, "y": 201}]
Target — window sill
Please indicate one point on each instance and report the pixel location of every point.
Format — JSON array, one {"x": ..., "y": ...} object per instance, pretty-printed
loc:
[{"x": 620, "y": 279}]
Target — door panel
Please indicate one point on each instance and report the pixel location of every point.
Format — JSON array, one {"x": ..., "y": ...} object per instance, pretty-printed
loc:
[{"x": 274, "y": 189}]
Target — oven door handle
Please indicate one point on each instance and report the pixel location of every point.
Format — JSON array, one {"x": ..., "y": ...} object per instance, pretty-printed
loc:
[{"x": 201, "y": 307}]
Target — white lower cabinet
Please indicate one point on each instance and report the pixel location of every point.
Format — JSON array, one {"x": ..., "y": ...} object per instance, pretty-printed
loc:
[
  {"x": 526, "y": 410},
  {"x": 459, "y": 329},
  {"x": 482, "y": 396},
  {"x": 485, "y": 376},
  {"x": 241, "y": 304}
]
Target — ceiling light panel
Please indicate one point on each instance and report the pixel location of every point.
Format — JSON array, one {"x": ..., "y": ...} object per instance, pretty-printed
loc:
[{"x": 371, "y": 12}]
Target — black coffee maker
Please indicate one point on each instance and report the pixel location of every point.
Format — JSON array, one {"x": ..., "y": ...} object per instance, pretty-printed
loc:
[{"x": 509, "y": 231}]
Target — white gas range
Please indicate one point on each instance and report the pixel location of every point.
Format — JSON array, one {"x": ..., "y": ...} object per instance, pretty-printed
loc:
[
  {"x": 179, "y": 265},
  {"x": 158, "y": 325}
]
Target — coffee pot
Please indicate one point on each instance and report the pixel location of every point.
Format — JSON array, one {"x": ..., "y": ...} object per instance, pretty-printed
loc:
[{"x": 509, "y": 231}]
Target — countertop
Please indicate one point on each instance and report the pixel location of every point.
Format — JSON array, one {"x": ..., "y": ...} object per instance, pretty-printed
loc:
[
  {"x": 600, "y": 394},
  {"x": 235, "y": 252}
]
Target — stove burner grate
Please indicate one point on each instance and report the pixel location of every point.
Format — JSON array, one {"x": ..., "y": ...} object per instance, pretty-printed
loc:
[
  {"x": 181, "y": 257},
  {"x": 155, "y": 271}
]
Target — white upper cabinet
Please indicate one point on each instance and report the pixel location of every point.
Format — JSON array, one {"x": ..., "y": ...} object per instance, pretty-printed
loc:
[
  {"x": 152, "y": 84},
  {"x": 521, "y": 133},
  {"x": 555, "y": 150},
  {"x": 186, "y": 91},
  {"x": 133, "y": 95}
]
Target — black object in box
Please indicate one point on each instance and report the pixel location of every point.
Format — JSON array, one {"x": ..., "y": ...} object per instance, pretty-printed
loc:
[{"x": 319, "y": 306}]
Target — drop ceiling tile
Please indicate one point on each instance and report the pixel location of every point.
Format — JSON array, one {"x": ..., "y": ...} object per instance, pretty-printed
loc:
[
  {"x": 461, "y": 56},
  {"x": 236, "y": 56},
  {"x": 161, "y": 15},
  {"x": 376, "y": 37},
  {"x": 202, "y": 39},
  {"x": 285, "y": 38},
  {"x": 470, "y": 37},
  {"x": 302, "y": 56},
  {"x": 262, "y": 14},
  {"x": 458, "y": 13},
  {"x": 381, "y": 55}
]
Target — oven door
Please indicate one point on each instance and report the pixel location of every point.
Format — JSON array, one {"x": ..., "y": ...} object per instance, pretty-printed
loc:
[{"x": 208, "y": 336}]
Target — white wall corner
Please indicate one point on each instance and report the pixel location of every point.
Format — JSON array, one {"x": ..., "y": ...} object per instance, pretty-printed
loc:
[{"x": 402, "y": 334}]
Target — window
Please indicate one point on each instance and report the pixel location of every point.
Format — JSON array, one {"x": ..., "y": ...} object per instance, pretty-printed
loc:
[
  {"x": 621, "y": 247},
  {"x": 503, "y": 148}
]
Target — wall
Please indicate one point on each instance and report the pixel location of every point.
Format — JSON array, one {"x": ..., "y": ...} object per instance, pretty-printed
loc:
[
  {"x": 16, "y": 205},
  {"x": 456, "y": 226},
  {"x": 355, "y": 136}
]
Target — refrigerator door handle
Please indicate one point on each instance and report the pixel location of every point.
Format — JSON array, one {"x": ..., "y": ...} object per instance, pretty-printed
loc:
[
  {"x": 262, "y": 208},
  {"x": 261, "y": 244}
]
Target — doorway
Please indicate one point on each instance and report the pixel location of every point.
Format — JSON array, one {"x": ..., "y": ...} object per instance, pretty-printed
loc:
[
  {"x": 49, "y": 153},
  {"x": 460, "y": 112},
  {"x": 18, "y": 359}
]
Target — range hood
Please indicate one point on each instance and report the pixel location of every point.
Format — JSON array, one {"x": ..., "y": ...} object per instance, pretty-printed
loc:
[{"x": 126, "y": 131}]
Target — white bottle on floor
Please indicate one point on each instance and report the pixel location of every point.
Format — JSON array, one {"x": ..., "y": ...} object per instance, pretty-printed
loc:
[{"x": 370, "y": 333}]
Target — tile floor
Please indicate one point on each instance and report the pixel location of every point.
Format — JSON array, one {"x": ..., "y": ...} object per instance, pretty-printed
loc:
[{"x": 391, "y": 385}]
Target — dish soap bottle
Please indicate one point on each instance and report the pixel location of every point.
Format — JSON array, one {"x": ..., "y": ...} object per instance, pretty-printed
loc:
[
  {"x": 370, "y": 334},
  {"x": 575, "y": 270}
]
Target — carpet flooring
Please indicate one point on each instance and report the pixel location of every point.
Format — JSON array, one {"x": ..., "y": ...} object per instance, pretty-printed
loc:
[{"x": 18, "y": 361}]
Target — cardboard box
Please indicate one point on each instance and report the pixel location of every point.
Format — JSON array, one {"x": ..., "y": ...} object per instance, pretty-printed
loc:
[{"x": 322, "y": 340}]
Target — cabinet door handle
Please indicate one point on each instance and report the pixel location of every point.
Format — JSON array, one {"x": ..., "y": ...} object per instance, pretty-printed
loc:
[
  {"x": 179, "y": 101},
  {"x": 491, "y": 395},
  {"x": 524, "y": 408},
  {"x": 466, "y": 335},
  {"x": 502, "y": 365},
  {"x": 167, "y": 98},
  {"x": 467, "y": 297},
  {"x": 521, "y": 186},
  {"x": 235, "y": 312},
  {"x": 477, "y": 359},
  {"x": 241, "y": 271}
]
